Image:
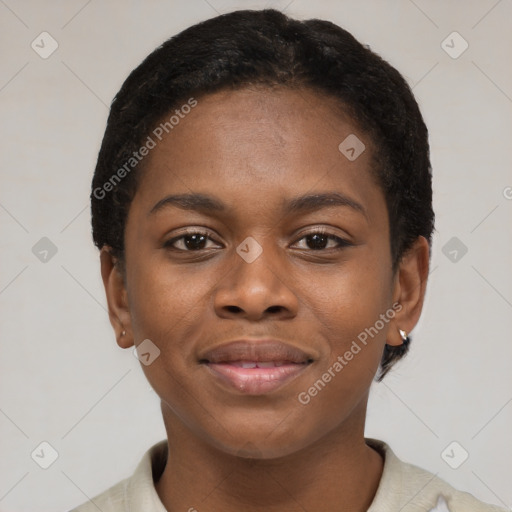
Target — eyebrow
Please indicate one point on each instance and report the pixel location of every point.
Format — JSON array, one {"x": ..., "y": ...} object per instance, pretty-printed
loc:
[
  {"x": 199, "y": 202},
  {"x": 296, "y": 205},
  {"x": 317, "y": 201}
]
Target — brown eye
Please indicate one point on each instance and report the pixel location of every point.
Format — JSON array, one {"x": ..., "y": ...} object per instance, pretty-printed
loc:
[
  {"x": 189, "y": 242},
  {"x": 319, "y": 240}
]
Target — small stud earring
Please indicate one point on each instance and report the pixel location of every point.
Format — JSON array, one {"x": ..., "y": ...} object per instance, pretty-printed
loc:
[
  {"x": 405, "y": 337},
  {"x": 123, "y": 333}
]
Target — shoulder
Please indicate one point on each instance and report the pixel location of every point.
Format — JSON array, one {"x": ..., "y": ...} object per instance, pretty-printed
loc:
[
  {"x": 409, "y": 488},
  {"x": 136, "y": 492}
]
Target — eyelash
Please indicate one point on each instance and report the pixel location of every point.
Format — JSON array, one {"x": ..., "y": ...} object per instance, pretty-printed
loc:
[{"x": 342, "y": 243}]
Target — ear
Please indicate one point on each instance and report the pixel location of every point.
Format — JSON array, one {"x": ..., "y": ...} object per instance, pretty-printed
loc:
[
  {"x": 409, "y": 289},
  {"x": 117, "y": 300}
]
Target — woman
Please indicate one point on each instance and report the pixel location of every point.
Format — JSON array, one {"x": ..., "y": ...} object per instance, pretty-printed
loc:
[{"x": 262, "y": 203}]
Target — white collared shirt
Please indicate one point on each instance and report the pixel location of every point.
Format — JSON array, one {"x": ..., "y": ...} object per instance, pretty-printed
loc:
[{"x": 403, "y": 487}]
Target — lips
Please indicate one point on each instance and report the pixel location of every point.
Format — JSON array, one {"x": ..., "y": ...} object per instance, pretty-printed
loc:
[
  {"x": 255, "y": 367},
  {"x": 264, "y": 350}
]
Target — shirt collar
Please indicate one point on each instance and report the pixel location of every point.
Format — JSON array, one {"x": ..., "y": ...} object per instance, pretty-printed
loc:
[
  {"x": 141, "y": 493},
  {"x": 140, "y": 490}
]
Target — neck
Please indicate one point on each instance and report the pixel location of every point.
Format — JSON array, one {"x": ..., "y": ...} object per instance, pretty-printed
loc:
[{"x": 338, "y": 470}]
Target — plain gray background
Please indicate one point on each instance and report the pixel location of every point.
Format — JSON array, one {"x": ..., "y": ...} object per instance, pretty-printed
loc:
[{"x": 63, "y": 378}]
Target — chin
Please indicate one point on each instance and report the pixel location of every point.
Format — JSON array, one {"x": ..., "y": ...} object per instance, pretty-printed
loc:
[{"x": 261, "y": 445}]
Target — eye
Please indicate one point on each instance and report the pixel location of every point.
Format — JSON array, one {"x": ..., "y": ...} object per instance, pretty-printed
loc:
[
  {"x": 191, "y": 241},
  {"x": 319, "y": 240},
  {"x": 194, "y": 241}
]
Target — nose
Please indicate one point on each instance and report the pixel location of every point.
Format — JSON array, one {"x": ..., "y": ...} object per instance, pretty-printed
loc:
[{"x": 256, "y": 290}]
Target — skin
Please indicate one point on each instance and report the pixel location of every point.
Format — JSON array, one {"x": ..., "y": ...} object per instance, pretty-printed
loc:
[{"x": 252, "y": 149}]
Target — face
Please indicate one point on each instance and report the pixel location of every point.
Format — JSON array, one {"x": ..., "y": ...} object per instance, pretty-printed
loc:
[{"x": 315, "y": 276}]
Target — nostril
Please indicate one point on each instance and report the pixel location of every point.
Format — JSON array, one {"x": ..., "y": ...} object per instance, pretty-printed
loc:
[
  {"x": 233, "y": 309},
  {"x": 274, "y": 309}
]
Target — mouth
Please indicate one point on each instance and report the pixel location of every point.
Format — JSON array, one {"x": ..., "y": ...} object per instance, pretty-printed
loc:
[
  {"x": 255, "y": 367},
  {"x": 256, "y": 377}
]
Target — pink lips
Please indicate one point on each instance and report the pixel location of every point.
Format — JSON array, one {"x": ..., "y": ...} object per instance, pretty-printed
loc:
[{"x": 256, "y": 367}]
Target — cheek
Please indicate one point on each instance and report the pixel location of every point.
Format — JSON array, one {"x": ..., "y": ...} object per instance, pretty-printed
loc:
[
  {"x": 345, "y": 313},
  {"x": 163, "y": 299},
  {"x": 165, "y": 307},
  {"x": 348, "y": 305}
]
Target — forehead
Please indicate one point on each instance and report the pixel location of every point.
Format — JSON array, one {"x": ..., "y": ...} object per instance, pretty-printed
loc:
[{"x": 258, "y": 143}]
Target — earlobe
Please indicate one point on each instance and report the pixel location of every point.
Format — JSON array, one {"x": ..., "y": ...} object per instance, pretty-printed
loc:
[
  {"x": 398, "y": 338},
  {"x": 115, "y": 291},
  {"x": 409, "y": 291}
]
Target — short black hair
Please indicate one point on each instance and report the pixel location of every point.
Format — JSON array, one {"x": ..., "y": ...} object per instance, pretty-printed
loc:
[{"x": 266, "y": 47}]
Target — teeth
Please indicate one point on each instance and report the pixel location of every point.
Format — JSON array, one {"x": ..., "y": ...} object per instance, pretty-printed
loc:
[
  {"x": 257, "y": 364},
  {"x": 243, "y": 364},
  {"x": 269, "y": 364}
]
